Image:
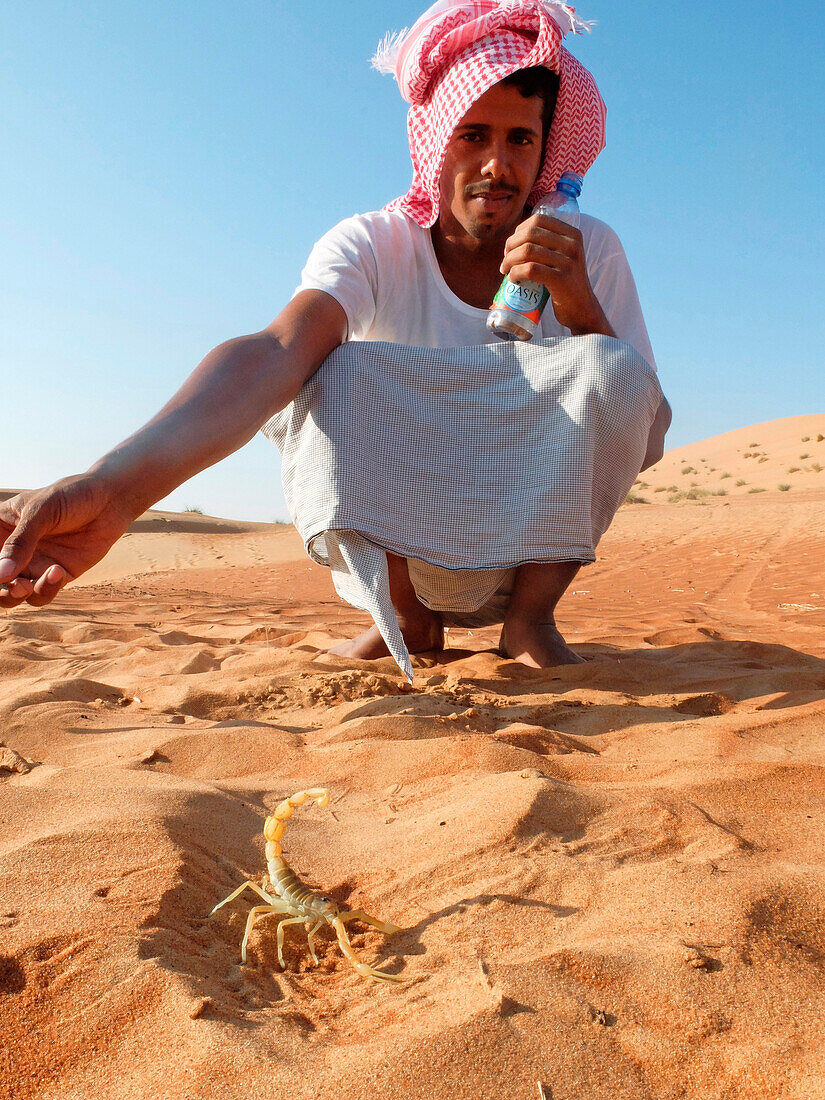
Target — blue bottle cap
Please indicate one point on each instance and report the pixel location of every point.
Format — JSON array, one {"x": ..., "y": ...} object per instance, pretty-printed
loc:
[{"x": 570, "y": 183}]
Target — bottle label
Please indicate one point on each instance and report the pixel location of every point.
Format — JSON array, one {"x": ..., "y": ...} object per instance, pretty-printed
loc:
[{"x": 527, "y": 299}]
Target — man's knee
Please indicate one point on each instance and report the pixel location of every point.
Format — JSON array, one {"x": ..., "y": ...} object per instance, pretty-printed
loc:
[
  {"x": 656, "y": 437},
  {"x": 626, "y": 390},
  {"x": 623, "y": 381}
]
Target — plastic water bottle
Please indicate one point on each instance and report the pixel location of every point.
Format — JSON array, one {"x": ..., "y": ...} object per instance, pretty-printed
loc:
[{"x": 517, "y": 307}]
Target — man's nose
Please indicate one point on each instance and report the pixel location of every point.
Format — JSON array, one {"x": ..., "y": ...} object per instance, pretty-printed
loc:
[{"x": 496, "y": 163}]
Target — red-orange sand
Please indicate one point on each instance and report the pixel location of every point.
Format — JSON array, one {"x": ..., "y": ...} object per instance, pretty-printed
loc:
[{"x": 611, "y": 877}]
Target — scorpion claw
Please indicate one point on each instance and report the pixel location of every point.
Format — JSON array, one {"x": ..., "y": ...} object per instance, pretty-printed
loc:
[{"x": 380, "y": 975}]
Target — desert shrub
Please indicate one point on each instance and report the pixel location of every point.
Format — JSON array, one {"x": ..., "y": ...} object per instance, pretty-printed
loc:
[
  {"x": 764, "y": 458},
  {"x": 753, "y": 444},
  {"x": 661, "y": 489},
  {"x": 741, "y": 482},
  {"x": 193, "y": 508},
  {"x": 805, "y": 438},
  {"x": 816, "y": 467},
  {"x": 820, "y": 437},
  {"x": 756, "y": 490},
  {"x": 688, "y": 494},
  {"x": 724, "y": 475},
  {"x": 806, "y": 455},
  {"x": 634, "y": 498},
  {"x": 720, "y": 492},
  {"x": 793, "y": 469},
  {"x": 783, "y": 488}
]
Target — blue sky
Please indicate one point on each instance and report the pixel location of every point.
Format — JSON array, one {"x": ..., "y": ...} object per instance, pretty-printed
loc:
[{"x": 167, "y": 167}]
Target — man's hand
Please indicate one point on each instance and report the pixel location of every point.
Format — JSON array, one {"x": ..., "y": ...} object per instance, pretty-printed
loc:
[
  {"x": 547, "y": 250},
  {"x": 48, "y": 537}
]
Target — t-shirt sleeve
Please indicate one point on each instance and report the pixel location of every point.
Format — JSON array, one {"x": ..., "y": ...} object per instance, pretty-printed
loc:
[
  {"x": 614, "y": 286},
  {"x": 343, "y": 264}
]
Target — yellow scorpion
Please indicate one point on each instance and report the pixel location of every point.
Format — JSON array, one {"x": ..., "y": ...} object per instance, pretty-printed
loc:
[{"x": 305, "y": 906}]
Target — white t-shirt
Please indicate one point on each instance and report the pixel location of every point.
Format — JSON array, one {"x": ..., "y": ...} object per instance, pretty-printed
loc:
[{"x": 382, "y": 269}]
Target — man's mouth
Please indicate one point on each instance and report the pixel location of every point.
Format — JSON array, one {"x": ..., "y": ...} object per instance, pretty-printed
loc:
[{"x": 493, "y": 195}]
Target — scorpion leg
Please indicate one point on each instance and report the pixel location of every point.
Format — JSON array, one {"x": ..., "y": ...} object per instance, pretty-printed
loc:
[
  {"x": 250, "y": 921},
  {"x": 382, "y": 926},
  {"x": 310, "y": 937},
  {"x": 275, "y": 906},
  {"x": 252, "y": 886},
  {"x": 363, "y": 968},
  {"x": 281, "y": 926}
]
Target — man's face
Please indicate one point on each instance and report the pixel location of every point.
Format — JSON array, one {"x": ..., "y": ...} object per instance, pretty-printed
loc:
[{"x": 491, "y": 165}]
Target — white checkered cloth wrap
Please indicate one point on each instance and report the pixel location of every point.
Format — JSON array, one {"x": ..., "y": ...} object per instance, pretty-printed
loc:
[{"x": 467, "y": 461}]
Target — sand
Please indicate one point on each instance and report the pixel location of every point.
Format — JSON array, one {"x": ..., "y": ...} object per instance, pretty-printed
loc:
[{"x": 610, "y": 877}]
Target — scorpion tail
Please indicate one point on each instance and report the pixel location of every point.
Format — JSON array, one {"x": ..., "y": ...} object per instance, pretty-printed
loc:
[{"x": 275, "y": 824}]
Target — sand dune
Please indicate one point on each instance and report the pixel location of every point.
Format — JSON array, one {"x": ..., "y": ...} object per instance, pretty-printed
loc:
[
  {"x": 609, "y": 876},
  {"x": 779, "y": 456}
]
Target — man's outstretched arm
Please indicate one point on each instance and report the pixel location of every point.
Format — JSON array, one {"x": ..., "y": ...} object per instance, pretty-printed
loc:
[{"x": 50, "y": 536}]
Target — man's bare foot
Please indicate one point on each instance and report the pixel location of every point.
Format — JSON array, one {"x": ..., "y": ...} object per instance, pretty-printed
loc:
[
  {"x": 538, "y": 645},
  {"x": 424, "y": 633}
]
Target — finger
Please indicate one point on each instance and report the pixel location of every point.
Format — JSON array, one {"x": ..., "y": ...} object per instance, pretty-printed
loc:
[
  {"x": 560, "y": 228},
  {"x": 535, "y": 254},
  {"x": 20, "y": 588},
  {"x": 19, "y": 547},
  {"x": 48, "y": 586},
  {"x": 8, "y": 568},
  {"x": 547, "y": 232},
  {"x": 6, "y": 598},
  {"x": 533, "y": 272}
]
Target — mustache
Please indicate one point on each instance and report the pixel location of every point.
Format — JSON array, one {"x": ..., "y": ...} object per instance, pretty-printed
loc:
[{"x": 472, "y": 190}]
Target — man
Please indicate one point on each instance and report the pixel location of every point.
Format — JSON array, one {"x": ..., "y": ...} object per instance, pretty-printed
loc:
[{"x": 422, "y": 272}]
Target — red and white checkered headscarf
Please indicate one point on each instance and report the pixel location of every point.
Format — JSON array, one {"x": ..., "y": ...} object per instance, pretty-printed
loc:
[{"x": 455, "y": 53}]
